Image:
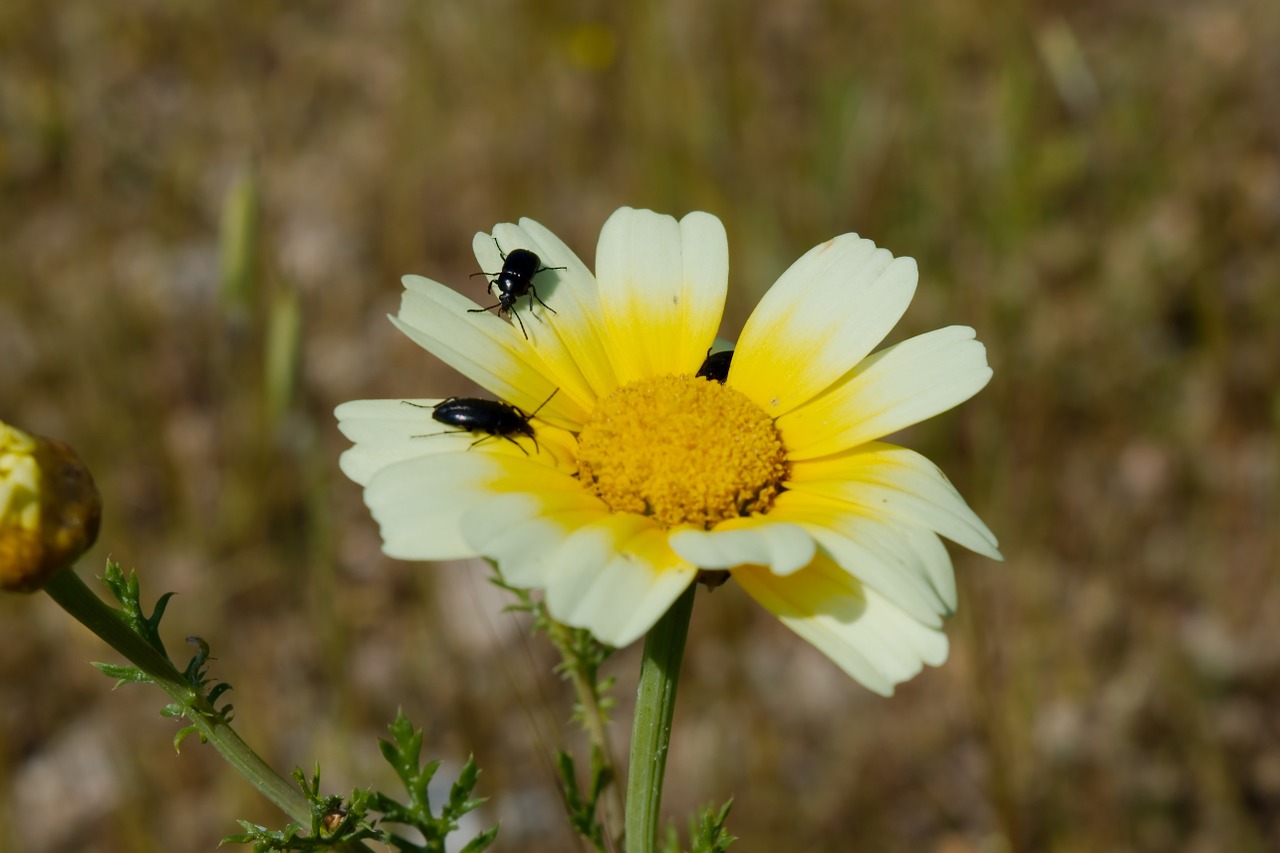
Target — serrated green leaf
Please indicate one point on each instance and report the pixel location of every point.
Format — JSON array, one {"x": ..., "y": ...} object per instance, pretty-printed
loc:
[
  {"x": 185, "y": 733},
  {"x": 671, "y": 840},
  {"x": 481, "y": 841},
  {"x": 569, "y": 779},
  {"x": 582, "y": 813},
  {"x": 123, "y": 673},
  {"x": 708, "y": 832},
  {"x": 127, "y": 592},
  {"x": 157, "y": 612}
]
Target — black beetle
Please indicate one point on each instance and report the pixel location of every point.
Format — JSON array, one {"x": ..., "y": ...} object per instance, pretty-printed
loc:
[
  {"x": 516, "y": 279},
  {"x": 494, "y": 418},
  {"x": 716, "y": 367}
]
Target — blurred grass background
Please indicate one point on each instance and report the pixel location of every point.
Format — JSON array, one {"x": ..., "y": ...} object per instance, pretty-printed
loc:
[{"x": 206, "y": 208}]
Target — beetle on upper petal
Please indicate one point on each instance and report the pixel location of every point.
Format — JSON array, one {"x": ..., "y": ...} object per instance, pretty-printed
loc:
[{"x": 515, "y": 280}]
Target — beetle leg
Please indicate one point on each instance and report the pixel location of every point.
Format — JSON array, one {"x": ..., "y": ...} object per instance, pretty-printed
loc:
[
  {"x": 482, "y": 439},
  {"x": 533, "y": 294}
]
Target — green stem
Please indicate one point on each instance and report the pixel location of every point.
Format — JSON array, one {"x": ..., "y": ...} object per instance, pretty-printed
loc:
[
  {"x": 73, "y": 596},
  {"x": 651, "y": 732}
]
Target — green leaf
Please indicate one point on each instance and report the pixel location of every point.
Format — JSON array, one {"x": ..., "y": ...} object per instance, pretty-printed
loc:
[
  {"x": 404, "y": 753},
  {"x": 481, "y": 841},
  {"x": 183, "y": 734},
  {"x": 582, "y": 812},
  {"x": 205, "y": 691},
  {"x": 123, "y": 673},
  {"x": 335, "y": 823},
  {"x": 708, "y": 832}
]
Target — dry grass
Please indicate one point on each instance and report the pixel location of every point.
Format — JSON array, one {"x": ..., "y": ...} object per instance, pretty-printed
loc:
[{"x": 1094, "y": 187}]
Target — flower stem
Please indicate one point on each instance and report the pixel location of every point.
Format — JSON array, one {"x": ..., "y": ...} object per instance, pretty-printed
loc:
[
  {"x": 73, "y": 596},
  {"x": 651, "y": 732},
  {"x": 585, "y": 686}
]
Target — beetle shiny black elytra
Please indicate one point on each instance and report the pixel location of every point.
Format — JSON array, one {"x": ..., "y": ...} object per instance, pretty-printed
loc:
[
  {"x": 716, "y": 367},
  {"x": 515, "y": 280},
  {"x": 494, "y": 418}
]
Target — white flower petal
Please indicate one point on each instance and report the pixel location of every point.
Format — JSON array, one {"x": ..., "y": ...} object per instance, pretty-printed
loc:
[
  {"x": 897, "y": 483},
  {"x": 419, "y": 503},
  {"x": 626, "y": 598},
  {"x": 488, "y": 351},
  {"x": 383, "y": 420},
  {"x": 616, "y": 578},
  {"x": 932, "y": 555},
  {"x": 827, "y": 312},
  {"x": 895, "y": 388},
  {"x": 390, "y": 431},
  {"x": 760, "y": 541},
  {"x": 521, "y": 530},
  {"x": 525, "y": 550},
  {"x": 862, "y": 632},
  {"x": 873, "y": 550},
  {"x": 879, "y": 571},
  {"x": 582, "y": 327},
  {"x": 662, "y": 290}
]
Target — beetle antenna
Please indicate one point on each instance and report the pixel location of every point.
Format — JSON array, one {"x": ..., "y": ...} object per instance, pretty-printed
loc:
[
  {"x": 516, "y": 314},
  {"x": 544, "y": 402}
]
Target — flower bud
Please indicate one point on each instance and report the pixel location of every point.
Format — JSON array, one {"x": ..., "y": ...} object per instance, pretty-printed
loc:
[{"x": 49, "y": 509}]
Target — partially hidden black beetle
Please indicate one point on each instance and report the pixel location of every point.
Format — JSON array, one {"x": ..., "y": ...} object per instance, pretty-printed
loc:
[
  {"x": 716, "y": 367},
  {"x": 515, "y": 280},
  {"x": 494, "y": 418}
]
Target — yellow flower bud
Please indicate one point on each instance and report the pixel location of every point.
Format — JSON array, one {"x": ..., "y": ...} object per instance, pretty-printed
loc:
[{"x": 49, "y": 509}]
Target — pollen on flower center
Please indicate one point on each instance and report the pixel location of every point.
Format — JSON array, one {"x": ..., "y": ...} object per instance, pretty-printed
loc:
[{"x": 681, "y": 450}]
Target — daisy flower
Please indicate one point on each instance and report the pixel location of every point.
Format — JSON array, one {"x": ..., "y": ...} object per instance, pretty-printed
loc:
[{"x": 640, "y": 474}]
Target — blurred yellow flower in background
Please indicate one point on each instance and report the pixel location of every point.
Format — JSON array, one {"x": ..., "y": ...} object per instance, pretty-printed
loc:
[
  {"x": 643, "y": 473},
  {"x": 49, "y": 509}
]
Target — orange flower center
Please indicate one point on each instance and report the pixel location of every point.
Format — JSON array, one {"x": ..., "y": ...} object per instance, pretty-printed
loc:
[{"x": 683, "y": 451}]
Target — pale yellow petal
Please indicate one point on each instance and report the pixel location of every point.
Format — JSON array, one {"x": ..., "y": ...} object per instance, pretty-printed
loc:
[
  {"x": 825, "y": 314},
  {"x": 568, "y": 332},
  {"x": 871, "y": 549},
  {"x": 662, "y": 290},
  {"x": 419, "y": 502},
  {"x": 522, "y": 530},
  {"x": 489, "y": 352},
  {"x": 762, "y": 540},
  {"x": 900, "y": 484},
  {"x": 388, "y": 431},
  {"x": 862, "y": 632},
  {"x": 895, "y": 388},
  {"x": 616, "y": 577}
]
